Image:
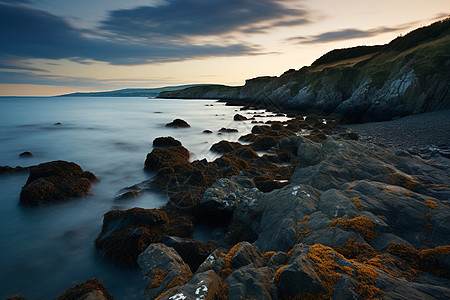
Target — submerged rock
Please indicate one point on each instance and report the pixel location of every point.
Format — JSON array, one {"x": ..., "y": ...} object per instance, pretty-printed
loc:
[
  {"x": 92, "y": 289},
  {"x": 26, "y": 154},
  {"x": 238, "y": 117},
  {"x": 54, "y": 182}
]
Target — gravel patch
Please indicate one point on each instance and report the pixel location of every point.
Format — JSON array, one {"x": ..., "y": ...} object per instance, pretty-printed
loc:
[{"x": 414, "y": 131}]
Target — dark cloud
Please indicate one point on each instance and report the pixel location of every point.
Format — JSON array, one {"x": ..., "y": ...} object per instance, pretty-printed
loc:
[
  {"x": 29, "y": 33},
  {"x": 346, "y": 34},
  {"x": 187, "y": 18}
]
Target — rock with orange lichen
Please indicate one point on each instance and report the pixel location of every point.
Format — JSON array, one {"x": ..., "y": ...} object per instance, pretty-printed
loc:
[{"x": 163, "y": 269}]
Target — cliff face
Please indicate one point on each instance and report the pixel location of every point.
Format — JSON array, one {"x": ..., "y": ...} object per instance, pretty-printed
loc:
[{"x": 407, "y": 76}]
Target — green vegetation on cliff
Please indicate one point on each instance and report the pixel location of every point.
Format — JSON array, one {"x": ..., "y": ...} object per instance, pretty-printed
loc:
[{"x": 366, "y": 83}]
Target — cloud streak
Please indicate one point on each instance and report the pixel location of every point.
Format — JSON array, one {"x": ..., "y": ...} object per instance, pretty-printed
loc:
[
  {"x": 345, "y": 34},
  {"x": 142, "y": 35}
]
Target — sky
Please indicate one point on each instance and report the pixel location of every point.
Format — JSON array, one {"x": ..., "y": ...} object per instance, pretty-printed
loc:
[{"x": 52, "y": 47}]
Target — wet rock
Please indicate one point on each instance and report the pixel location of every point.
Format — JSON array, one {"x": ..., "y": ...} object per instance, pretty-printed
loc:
[
  {"x": 26, "y": 154},
  {"x": 207, "y": 131},
  {"x": 223, "y": 147},
  {"x": 166, "y": 157},
  {"x": 92, "y": 289},
  {"x": 57, "y": 124},
  {"x": 267, "y": 184},
  {"x": 247, "y": 138},
  {"x": 262, "y": 142},
  {"x": 191, "y": 251},
  {"x": 228, "y": 130},
  {"x": 54, "y": 182},
  {"x": 126, "y": 233},
  {"x": 165, "y": 142},
  {"x": 8, "y": 169},
  {"x": 163, "y": 269},
  {"x": 238, "y": 117},
  {"x": 178, "y": 123}
]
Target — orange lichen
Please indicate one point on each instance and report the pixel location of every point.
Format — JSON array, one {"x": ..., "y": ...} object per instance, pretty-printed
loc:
[
  {"x": 355, "y": 250},
  {"x": 357, "y": 203},
  {"x": 182, "y": 279},
  {"x": 403, "y": 181},
  {"x": 222, "y": 293},
  {"x": 304, "y": 231},
  {"x": 227, "y": 269},
  {"x": 351, "y": 187},
  {"x": 277, "y": 275},
  {"x": 431, "y": 204},
  {"x": 268, "y": 255},
  {"x": 361, "y": 224},
  {"x": 157, "y": 277},
  {"x": 418, "y": 261},
  {"x": 326, "y": 266},
  {"x": 367, "y": 275}
]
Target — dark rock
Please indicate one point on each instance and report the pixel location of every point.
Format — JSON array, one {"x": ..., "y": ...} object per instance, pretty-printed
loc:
[
  {"x": 26, "y": 154},
  {"x": 167, "y": 157},
  {"x": 178, "y": 123},
  {"x": 8, "y": 169},
  {"x": 298, "y": 277},
  {"x": 207, "y": 131},
  {"x": 202, "y": 286},
  {"x": 223, "y": 147},
  {"x": 229, "y": 130},
  {"x": 247, "y": 138},
  {"x": 90, "y": 289},
  {"x": 165, "y": 142},
  {"x": 267, "y": 184},
  {"x": 247, "y": 153},
  {"x": 238, "y": 117},
  {"x": 263, "y": 142},
  {"x": 349, "y": 136},
  {"x": 54, "y": 182},
  {"x": 163, "y": 269},
  {"x": 191, "y": 251},
  {"x": 125, "y": 234},
  {"x": 240, "y": 231},
  {"x": 251, "y": 282},
  {"x": 261, "y": 129},
  {"x": 226, "y": 193},
  {"x": 245, "y": 255},
  {"x": 57, "y": 124}
]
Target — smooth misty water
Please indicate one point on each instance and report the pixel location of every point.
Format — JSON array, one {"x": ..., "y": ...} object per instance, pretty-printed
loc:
[{"x": 45, "y": 250}]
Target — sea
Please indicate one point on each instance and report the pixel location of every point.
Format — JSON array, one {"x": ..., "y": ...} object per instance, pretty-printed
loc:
[{"x": 48, "y": 249}]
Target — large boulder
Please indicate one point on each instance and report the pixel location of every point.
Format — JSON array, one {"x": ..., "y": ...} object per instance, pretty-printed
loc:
[
  {"x": 92, "y": 289},
  {"x": 54, "y": 182},
  {"x": 127, "y": 233},
  {"x": 163, "y": 269}
]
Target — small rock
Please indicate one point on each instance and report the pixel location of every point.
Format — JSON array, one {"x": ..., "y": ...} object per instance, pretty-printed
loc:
[
  {"x": 26, "y": 154},
  {"x": 57, "y": 124},
  {"x": 178, "y": 123},
  {"x": 167, "y": 157},
  {"x": 207, "y": 131},
  {"x": 238, "y": 117},
  {"x": 229, "y": 130}
]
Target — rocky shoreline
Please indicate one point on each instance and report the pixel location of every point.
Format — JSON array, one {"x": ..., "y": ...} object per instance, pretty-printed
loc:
[{"x": 321, "y": 215}]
